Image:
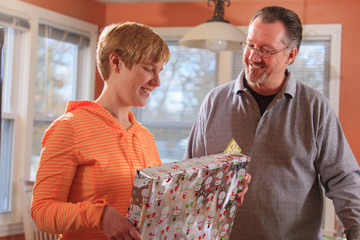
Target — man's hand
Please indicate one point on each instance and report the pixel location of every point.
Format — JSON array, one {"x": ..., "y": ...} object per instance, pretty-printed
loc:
[
  {"x": 117, "y": 227},
  {"x": 240, "y": 196}
]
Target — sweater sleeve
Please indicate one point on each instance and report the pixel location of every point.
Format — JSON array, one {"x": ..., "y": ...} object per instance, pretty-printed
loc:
[
  {"x": 340, "y": 174},
  {"x": 58, "y": 164},
  {"x": 197, "y": 137}
]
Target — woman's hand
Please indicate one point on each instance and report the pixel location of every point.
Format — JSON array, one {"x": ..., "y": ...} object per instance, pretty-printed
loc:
[
  {"x": 240, "y": 196},
  {"x": 117, "y": 227}
]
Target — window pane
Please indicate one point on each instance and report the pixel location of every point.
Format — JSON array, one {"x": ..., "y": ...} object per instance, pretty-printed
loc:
[
  {"x": 185, "y": 81},
  {"x": 7, "y": 123},
  {"x": 312, "y": 65},
  {"x": 7, "y": 126},
  {"x": 173, "y": 107},
  {"x": 55, "y": 76},
  {"x": 171, "y": 142},
  {"x": 55, "y": 86},
  {"x": 39, "y": 129},
  {"x": 7, "y": 58}
]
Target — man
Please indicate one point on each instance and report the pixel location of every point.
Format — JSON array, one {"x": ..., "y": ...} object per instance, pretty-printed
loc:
[{"x": 291, "y": 133}]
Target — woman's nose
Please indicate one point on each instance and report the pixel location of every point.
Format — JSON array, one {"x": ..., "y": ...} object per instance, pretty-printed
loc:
[{"x": 156, "y": 80}]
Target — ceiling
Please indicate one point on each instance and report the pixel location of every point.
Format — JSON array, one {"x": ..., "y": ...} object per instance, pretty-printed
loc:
[{"x": 142, "y": 1}]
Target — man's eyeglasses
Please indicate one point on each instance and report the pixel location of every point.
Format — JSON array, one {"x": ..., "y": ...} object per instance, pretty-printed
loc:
[{"x": 263, "y": 52}]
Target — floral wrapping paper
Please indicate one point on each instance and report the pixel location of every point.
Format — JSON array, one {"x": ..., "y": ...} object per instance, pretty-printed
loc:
[{"x": 190, "y": 199}]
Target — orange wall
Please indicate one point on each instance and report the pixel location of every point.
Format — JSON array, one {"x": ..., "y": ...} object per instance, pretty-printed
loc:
[{"x": 239, "y": 13}]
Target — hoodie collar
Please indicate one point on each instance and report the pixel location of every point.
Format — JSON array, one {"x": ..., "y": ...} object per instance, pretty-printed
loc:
[{"x": 100, "y": 111}]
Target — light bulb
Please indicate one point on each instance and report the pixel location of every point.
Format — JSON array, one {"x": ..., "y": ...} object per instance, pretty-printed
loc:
[{"x": 215, "y": 45}]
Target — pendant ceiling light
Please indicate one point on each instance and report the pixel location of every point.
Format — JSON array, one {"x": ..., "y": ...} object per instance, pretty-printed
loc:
[{"x": 217, "y": 34}]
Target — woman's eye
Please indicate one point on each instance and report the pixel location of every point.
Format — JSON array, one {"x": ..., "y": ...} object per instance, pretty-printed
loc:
[{"x": 148, "y": 69}]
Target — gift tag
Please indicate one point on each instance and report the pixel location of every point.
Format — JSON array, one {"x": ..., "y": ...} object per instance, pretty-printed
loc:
[{"x": 233, "y": 148}]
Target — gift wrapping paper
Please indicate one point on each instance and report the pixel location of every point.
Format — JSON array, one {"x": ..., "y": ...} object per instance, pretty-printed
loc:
[{"x": 189, "y": 199}]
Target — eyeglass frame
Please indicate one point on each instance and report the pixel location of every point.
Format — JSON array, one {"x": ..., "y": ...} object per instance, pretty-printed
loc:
[{"x": 260, "y": 51}]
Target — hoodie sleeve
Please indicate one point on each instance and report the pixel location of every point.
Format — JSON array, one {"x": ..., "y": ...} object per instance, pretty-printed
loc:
[{"x": 50, "y": 208}]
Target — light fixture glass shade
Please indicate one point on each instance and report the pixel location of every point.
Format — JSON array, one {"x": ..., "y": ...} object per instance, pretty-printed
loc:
[
  {"x": 207, "y": 34},
  {"x": 216, "y": 45}
]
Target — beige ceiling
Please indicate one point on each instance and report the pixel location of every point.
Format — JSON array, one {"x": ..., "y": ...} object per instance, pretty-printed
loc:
[{"x": 143, "y": 1}]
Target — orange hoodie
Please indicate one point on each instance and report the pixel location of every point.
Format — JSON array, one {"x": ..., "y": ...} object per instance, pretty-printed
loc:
[{"x": 88, "y": 160}]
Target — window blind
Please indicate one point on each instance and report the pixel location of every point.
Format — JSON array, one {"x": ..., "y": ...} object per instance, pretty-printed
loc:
[
  {"x": 14, "y": 21},
  {"x": 47, "y": 31}
]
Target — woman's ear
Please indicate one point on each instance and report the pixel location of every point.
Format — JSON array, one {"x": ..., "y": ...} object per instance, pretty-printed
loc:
[{"x": 114, "y": 62}]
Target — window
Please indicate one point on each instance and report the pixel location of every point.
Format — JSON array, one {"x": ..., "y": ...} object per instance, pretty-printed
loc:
[
  {"x": 312, "y": 65},
  {"x": 172, "y": 108},
  {"x": 59, "y": 54},
  {"x": 14, "y": 29},
  {"x": 47, "y": 59}
]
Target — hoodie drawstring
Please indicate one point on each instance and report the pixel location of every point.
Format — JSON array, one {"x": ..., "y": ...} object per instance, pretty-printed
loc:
[{"x": 127, "y": 153}]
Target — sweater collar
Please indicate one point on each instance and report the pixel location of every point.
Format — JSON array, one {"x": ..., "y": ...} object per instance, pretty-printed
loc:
[{"x": 289, "y": 87}]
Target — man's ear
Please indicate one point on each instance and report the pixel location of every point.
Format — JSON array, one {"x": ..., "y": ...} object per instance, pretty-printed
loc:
[
  {"x": 291, "y": 56},
  {"x": 115, "y": 62}
]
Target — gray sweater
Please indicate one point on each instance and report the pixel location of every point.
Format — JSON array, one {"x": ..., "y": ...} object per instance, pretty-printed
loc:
[{"x": 296, "y": 146}]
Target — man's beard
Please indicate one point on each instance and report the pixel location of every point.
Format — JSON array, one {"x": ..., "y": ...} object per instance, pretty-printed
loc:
[{"x": 253, "y": 80}]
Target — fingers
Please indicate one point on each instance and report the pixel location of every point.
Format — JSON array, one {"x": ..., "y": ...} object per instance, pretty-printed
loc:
[
  {"x": 132, "y": 234},
  {"x": 135, "y": 234},
  {"x": 240, "y": 196},
  {"x": 138, "y": 229},
  {"x": 117, "y": 227},
  {"x": 247, "y": 179}
]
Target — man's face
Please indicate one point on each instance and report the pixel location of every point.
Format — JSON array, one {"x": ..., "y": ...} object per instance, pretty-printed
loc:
[{"x": 266, "y": 71}]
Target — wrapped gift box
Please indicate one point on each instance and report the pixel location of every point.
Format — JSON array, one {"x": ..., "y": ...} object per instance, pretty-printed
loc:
[{"x": 190, "y": 199}]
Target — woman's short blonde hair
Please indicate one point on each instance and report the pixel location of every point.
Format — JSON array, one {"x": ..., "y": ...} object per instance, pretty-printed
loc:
[{"x": 134, "y": 43}]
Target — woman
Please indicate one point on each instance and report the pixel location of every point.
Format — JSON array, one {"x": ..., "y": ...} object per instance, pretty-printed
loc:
[{"x": 91, "y": 153}]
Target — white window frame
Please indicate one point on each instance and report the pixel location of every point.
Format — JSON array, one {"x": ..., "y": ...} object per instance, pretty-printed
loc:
[
  {"x": 332, "y": 32},
  {"x": 11, "y": 222}
]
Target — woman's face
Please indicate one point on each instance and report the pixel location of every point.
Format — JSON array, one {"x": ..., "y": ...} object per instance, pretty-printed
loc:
[{"x": 134, "y": 86}]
